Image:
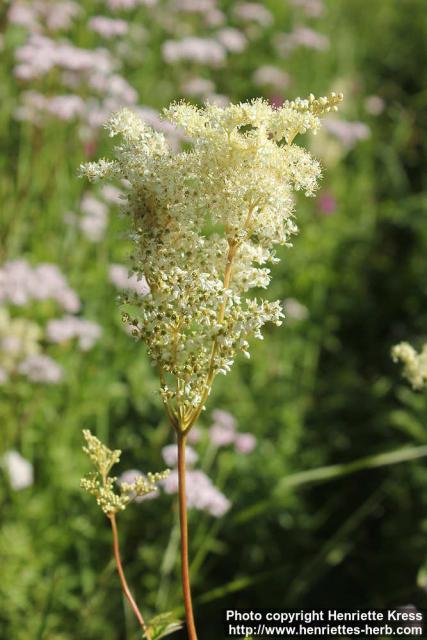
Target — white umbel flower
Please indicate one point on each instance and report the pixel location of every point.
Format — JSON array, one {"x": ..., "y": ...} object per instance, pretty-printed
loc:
[{"x": 19, "y": 470}]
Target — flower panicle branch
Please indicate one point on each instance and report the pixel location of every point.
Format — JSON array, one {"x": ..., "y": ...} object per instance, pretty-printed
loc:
[{"x": 103, "y": 486}]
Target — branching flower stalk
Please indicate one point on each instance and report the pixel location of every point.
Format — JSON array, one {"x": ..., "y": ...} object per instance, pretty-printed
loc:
[
  {"x": 205, "y": 223},
  {"x": 125, "y": 586},
  {"x": 101, "y": 485}
]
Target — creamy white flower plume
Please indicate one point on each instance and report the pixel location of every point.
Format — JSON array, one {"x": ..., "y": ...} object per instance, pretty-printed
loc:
[{"x": 205, "y": 225}]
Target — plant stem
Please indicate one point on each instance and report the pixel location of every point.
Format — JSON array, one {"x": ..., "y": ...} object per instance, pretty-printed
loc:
[
  {"x": 125, "y": 586},
  {"x": 232, "y": 248},
  {"x": 185, "y": 573}
]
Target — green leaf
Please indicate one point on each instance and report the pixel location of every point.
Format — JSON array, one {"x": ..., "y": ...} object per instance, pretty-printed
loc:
[
  {"x": 332, "y": 471},
  {"x": 163, "y": 625}
]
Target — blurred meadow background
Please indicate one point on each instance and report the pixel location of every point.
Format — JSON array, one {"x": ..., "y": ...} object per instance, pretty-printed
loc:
[{"x": 310, "y": 468}]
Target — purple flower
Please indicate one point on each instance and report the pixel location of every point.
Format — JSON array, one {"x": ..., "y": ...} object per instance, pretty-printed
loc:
[
  {"x": 170, "y": 455},
  {"x": 21, "y": 13},
  {"x": 111, "y": 194},
  {"x": 197, "y": 50},
  {"x": 119, "y": 276},
  {"x": 253, "y": 12},
  {"x": 194, "y": 6},
  {"x": 224, "y": 418},
  {"x": 40, "y": 54},
  {"x": 276, "y": 101},
  {"x": 32, "y": 14},
  {"x": 221, "y": 436},
  {"x": 232, "y": 39},
  {"x": 41, "y": 368},
  {"x": 108, "y": 27},
  {"x": 70, "y": 327},
  {"x": 59, "y": 15},
  {"x": 117, "y": 5},
  {"x": 285, "y": 43},
  {"x": 94, "y": 220},
  {"x": 20, "y": 284},
  {"x": 311, "y": 8},
  {"x": 89, "y": 148},
  {"x": 201, "y": 492},
  {"x": 65, "y": 107},
  {"x": 198, "y": 87},
  {"x": 271, "y": 76},
  {"x": 223, "y": 431},
  {"x": 195, "y": 435},
  {"x": 327, "y": 204},
  {"x": 35, "y": 105},
  {"x": 244, "y": 443},
  {"x": 348, "y": 133},
  {"x": 117, "y": 89},
  {"x": 152, "y": 117},
  {"x": 214, "y": 18}
]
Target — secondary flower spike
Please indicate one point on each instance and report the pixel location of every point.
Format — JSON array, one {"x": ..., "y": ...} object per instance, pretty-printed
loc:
[
  {"x": 205, "y": 225},
  {"x": 102, "y": 486}
]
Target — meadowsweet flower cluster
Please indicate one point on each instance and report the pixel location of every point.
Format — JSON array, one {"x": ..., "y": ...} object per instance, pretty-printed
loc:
[
  {"x": 101, "y": 485},
  {"x": 205, "y": 225},
  {"x": 129, "y": 477},
  {"x": 415, "y": 364}
]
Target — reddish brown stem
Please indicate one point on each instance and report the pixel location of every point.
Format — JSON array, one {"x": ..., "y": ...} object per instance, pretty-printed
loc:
[
  {"x": 125, "y": 586},
  {"x": 185, "y": 573}
]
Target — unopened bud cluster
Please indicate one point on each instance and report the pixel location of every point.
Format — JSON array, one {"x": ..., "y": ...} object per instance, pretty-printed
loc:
[
  {"x": 103, "y": 486},
  {"x": 206, "y": 222}
]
